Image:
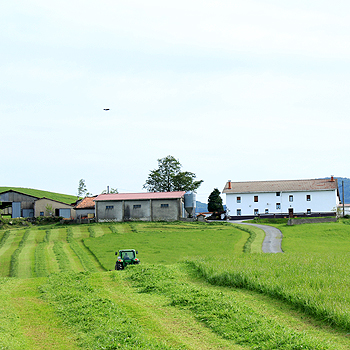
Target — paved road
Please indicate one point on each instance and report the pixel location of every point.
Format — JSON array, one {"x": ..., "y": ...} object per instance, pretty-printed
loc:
[{"x": 273, "y": 238}]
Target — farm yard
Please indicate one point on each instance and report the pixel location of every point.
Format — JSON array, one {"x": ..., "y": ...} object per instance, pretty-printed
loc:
[{"x": 199, "y": 286}]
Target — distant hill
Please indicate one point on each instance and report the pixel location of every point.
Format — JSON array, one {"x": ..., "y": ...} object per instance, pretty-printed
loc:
[
  {"x": 65, "y": 198},
  {"x": 346, "y": 189},
  {"x": 201, "y": 207}
]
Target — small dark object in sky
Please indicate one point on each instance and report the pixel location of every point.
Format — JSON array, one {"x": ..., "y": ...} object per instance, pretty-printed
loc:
[{"x": 106, "y": 109}]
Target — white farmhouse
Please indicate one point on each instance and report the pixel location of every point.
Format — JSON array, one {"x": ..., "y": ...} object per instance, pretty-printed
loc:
[{"x": 282, "y": 198}]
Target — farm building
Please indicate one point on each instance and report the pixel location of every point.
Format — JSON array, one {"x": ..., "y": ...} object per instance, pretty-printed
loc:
[
  {"x": 283, "y": 198},
  {"x": 85, "y": 208},
  {"x": 17, "y": 204},
  {"x": 346, "y": 209},
  {"x": 49, "y": 207},
  {"x": 150, "y": 206}
]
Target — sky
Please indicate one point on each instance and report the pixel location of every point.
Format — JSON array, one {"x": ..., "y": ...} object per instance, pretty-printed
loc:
[{"x": 235, "y": 90}]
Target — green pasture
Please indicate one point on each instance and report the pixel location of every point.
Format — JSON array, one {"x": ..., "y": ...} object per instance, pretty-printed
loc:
[
  {"x": 167, "y": 243},
  {"x": 199, "y": 286},
  {"x": 313, "y": 237}
]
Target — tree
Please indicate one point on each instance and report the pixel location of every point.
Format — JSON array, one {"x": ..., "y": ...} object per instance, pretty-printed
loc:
[
  {"x": 49, "y": 210},
  {"x": 111, "y": 190},
  {"x": 215, "y": 202},
  {"x": 168, "y": 177},
  {"x": 82, "y": 190}
]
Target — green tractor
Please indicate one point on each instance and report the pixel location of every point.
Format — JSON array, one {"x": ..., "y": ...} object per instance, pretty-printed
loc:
[{"x": 126, "y": 257}]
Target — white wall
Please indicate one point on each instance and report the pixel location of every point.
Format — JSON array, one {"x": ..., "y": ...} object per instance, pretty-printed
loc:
[{"x": 321, "y": 201}]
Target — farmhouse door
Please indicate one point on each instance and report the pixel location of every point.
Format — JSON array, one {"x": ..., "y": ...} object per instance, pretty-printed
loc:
[{"x": 290, "y": 210}]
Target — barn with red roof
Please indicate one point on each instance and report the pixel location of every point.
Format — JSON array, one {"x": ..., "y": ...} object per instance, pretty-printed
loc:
[{"x": 146, "y": 206}]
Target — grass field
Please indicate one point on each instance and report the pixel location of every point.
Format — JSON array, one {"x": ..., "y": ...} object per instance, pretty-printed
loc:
[{"x": 199, "y": 286}]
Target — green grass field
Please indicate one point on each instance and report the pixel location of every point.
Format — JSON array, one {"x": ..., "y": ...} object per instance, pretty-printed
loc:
[{"x": 199, "y": 286}]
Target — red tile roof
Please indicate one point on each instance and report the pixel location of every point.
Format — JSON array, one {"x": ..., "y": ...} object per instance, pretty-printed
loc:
[
  {"x": 86, "y": 203},
  {"x": 281, "y": 186},
  {"x": 139, "y": 196}
]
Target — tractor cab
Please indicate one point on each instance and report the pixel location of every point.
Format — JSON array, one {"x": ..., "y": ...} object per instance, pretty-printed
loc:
[{"x": 126, "y": 257}]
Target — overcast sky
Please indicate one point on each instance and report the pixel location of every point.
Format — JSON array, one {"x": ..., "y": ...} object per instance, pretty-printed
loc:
[{"x": 239, "y": 90}]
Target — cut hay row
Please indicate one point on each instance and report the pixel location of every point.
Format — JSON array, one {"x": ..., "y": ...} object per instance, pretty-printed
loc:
[
  {"x": 100, "y": 230},
  {"x": 5, "y": 236},
  {"x": 61, "y": 257},
  {"x": 92, "y": 233},
  {"x": 15, "y": 254},
  {"x": 98, "y": 321},
  {"x": 6, "y": 251},
  {"x": 85, "y": 260},
  {"x": 68, "y": 260},
  {"x": 220, "y": 312},
  {"x": 316, "y": 284},
  {"x": 26, "y": 257},
  {"x": 50, "y": 257}
]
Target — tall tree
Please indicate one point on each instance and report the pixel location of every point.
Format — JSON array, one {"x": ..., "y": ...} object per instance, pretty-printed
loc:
[
  {"x": 169, "y": 177},
  {"x": 82, "y": 190},
  {"x": 215, "y": 202}
]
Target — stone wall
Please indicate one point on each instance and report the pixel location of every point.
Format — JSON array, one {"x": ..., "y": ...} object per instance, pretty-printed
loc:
[{"x": 292, "y": 222}]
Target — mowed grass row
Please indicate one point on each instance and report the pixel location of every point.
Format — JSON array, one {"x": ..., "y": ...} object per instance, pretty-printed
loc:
[
  {"x": 167, "y": 243},
  {"x": 317, "y": 284},
  {"x": 38, "y": 252},
  {"x": 223, "y": 312}
]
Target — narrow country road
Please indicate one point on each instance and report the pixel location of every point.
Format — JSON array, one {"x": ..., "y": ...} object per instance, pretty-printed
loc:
[{"x": 273, "y": 238}]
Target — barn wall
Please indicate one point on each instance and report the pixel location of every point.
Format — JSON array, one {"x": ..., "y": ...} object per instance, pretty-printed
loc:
[
  {"x": 144, "y": 210},
  {"x": 160, "y": 211},
  {"x": 40, "y": 206}
]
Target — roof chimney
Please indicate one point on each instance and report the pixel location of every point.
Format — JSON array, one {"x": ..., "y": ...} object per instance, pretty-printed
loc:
[
  {"x": 332, "y": 178},
  {"x": 229, "y": 186}
]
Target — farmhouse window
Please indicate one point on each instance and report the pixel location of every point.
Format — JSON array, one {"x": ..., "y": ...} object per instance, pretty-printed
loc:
[
  {"x": 238, "y": 199},
  {"x": 291, "y": 198},
  {"x": 278, "y": 205},
  {"x": 41, "y": 213},
  {"x": 164, "y": 205},
  {"x": 109, "y": 206},
  {"x": 256, "y": 211},
  {"x": 278, "y": 194},
  {"x": 308, "y": 211},
  {"x": 308, "y": 197},
  {"x": 256, "y": 198},
  {"x": 266, "y": 211},
  {"x": 137, "y": 206},
  {"x": 239, "y": 212}
]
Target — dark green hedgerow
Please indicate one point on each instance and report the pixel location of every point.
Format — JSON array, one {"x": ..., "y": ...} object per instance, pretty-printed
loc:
[
  {"x": 219, "y": 312},
  {"x": 98, "y": 322},
  {"x": 15, "y": 255}
]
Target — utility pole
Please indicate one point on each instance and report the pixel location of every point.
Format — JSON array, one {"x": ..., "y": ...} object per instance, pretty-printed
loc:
[{"x": 342, "y": 183}]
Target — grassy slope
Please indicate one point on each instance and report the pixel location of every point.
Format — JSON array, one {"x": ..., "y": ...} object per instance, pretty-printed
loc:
[
  {"x": 162, "y": 321},
  {"x": 65, "y": 198},
  {"x": 160, "y": 243}
]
